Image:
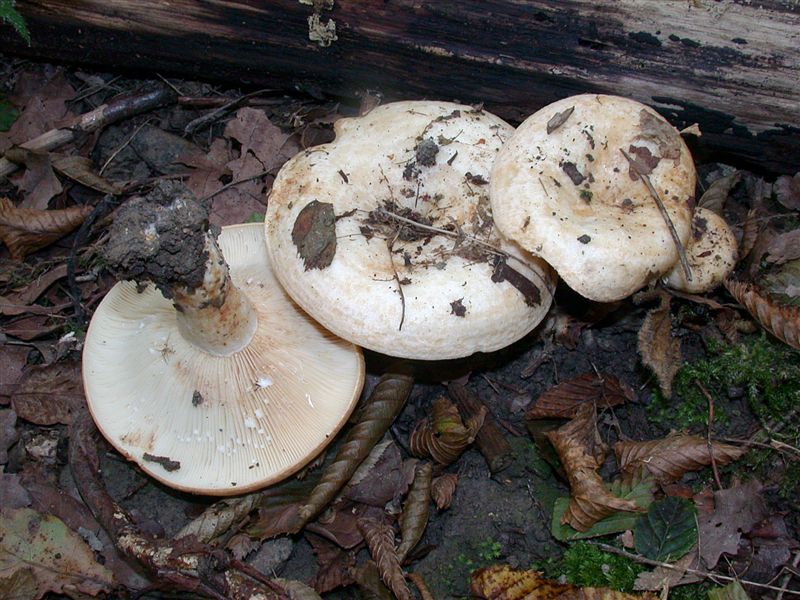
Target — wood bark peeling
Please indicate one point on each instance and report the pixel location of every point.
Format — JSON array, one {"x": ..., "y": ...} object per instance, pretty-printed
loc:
[{"x": 730, "y": 65}]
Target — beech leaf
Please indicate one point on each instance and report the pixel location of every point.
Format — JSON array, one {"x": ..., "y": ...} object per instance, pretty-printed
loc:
[
  {"x": 381, "y": 408},
  {"x": 414, "y": 517},
  {"x": 48, "y": 395},
  {"x": 670, "y": 457},
  {"x": 639, "y": 489},
  {"x": 781, "y": 321},
  {"x": 26, "y": 230},
  {"x": 39, "y": 554},
  {"x": 501, "y": 582},
  {"x": 81, "y": 169},
  {"x": 443, "y": 436},
  {"x": 442, "y": 490},
  {"x": 668, "y": 531},
  {"x": 563, "y": 400},
  {"x": 658, "y": 348},
  {"x": 714, "y": 197},
  {"x": 580, "y": 451},
  {"x": 380, "y": 541}
]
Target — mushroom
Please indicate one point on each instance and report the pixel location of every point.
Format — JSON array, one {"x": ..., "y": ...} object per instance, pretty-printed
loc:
[
  {"x": 602, "y": 188},
  {"x": 386, "y": 237},
  {"x": 712, "y": 253},
  {"x": 210, "y": 378}
]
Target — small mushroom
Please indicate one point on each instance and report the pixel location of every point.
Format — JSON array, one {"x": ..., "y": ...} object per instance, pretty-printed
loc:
[
  {"x": 386, "y": 235},
  {"x": 209, "y": 377},
  {"x": 575, "y": 185},
  {"x": 712, "y": 253}
]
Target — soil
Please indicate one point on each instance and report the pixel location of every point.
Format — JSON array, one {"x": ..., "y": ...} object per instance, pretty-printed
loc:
[{"x": 494, "y": 518}]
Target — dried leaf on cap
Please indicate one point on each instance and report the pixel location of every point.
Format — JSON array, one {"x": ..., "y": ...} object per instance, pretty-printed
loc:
[
  {"x": 26, "y": 230},
  {"x": 669, "y": 458},
  {"x": 658, "y": 348},
  {"x": 781, "y": 321},
  {"x": 563, "y": 400},
  {"x": 443, "y": 435},
  {"x": 580, "y": 450}
]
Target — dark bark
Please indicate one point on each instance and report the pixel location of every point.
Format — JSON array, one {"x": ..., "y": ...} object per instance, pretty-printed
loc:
[{"x": 730, "y": 65}]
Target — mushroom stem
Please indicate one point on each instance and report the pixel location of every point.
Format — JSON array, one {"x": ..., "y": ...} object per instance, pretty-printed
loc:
[{"x": 215, "y": 316}]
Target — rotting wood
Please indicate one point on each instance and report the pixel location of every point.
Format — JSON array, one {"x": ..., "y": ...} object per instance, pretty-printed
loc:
[
  {"x": 489, "y": 440},
  {"x": 729, "y": 65}
]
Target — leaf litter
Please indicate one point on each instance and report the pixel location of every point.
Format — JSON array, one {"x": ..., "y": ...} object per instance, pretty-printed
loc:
[{"x": 368, "y": 487}]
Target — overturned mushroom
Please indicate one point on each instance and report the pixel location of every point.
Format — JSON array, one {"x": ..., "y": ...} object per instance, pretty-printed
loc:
[
  {"x": 386, "y": 235},
  {"x": 228, "y": 387},
  {"x": 712, "y": 253},
  {"x": 602, "y": 188}
]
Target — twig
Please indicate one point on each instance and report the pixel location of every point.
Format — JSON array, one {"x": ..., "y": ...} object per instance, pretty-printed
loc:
[
  {"x": 116, "y": 110},
  {"x": 389, "y": 246},
  {"x": 776, "y": 445},
  {"x": 228, "y": 186},
  {"x": 215, "y": 114},
  {"x": 655, "y": 563},
  {"x": 708, "y": 397},
  {"x": 124, "y": 145},
  {"x": 788, "y": 577},
  {"x": 646, "y": 180}
]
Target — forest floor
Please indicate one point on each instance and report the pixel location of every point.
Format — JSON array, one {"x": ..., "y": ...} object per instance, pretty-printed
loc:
[{"x": 724, "y": 506}]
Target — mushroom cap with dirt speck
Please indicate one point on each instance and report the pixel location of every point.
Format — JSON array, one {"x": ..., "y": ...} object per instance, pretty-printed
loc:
[
  {"x": 355, "y": 235},
  {"x": 210, "y": 424},
  {"x": 564, "y": 190},
  {"x": 712, "y": 253}
]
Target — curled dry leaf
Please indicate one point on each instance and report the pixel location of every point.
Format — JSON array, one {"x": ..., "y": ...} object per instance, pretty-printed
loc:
[
  {"x": 26, "y": 230},
  {"x": 750, "y": 231},
  {"x": 563, "y": 400},
  {"x": 442, "y": 435},
  {"x": 781, "y": 321},
  {"x": 380, "y": 541},
  {"x": 414, "y": 517},
  {"x": 580, "y": 450},
  {"x": 335, "y": 565},
  {"x": 658, "y": 349},
  {"x": 377, "y": 415},
  {"x": 501, "y": 582},
  {"x": 669, "y": 458},
  {"x": 717, "y": 193},
  {"x": 442, "y": 490},
  {"x": 369, "y": 582}
]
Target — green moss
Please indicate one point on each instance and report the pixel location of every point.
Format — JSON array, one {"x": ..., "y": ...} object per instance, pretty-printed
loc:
[
  {"x": 767, "y": 372},
  {"x": 586, "y": 565}
]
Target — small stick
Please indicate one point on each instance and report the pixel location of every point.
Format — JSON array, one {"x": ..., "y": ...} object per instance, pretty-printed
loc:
[
  {"x": 122, "y": 146},
  {"x": 215, "y": 114},
  {"x": 705, "y": 393},
  {"x": 646, "y": 180},
  {"x": 120, "y": 108},
  {"x": 489, "y": 440},
  {"x": 788, "y": 577},
  {"x": 655, "y": 563}
]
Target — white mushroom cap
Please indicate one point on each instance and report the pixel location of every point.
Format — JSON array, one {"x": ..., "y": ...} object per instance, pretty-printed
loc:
[
  {"x": 400, "y": 286},
  {"x": 712, "y": 253},
  {"x": 563, "y": 189},
  {"x": 232, "y": 423}
]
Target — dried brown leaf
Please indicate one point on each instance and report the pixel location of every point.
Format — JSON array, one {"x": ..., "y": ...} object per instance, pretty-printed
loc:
[
  {"x": 255, "y": 132},
  {"x": 381, "y": 478},
  {"x": 580, "y": 450},
  {"x": 717, "y": 193},
  {"x": 750, "y": 230},
  {"x": 369, "y": 582},
  {"x": 442, "y": 490},
  {"x": 381, "y": 408},
  {"x": 26, "y": 230},
  {"x": 47, "y": 395},
  {"x": 8, "y": 433},
  {"x": 380, "y": 541},
  {"x": 414, "y": 517},
  {"x": 665, "y": 578},
  {"x": 501, "y": 582},
  {"x": 335, "y": 564},
  {"x": 670, "y": 457},
  {"x": 563, "y": 400},
  {"x": 443, "y": 436},
  {"x": 784, "y": 247},
  {"x": 81, "y": 169},
  {"x": 781, "y": 321},
  {"x": 658, "y": 349},
  {"x": 38, "y": 183},
  {"x": 787, "y": 191}
]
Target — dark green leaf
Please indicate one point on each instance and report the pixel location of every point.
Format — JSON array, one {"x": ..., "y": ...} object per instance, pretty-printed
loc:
[
  {"x": 732, "y": 591},
  {"x": 639, "y": 489},
  {"x": 8, "y": 114},
  {"x": 667, "y": 531}
]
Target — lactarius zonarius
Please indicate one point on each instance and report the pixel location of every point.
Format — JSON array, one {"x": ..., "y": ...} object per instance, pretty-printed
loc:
[
  {"x": 712, "y": 253},
  {"x": 208, "y": 376},
  {"x": 386, "y": 235},
  {"x": 602, "y": 188}
]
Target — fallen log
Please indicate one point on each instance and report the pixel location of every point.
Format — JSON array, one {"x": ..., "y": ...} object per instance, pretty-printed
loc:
[{"x": 730, "y": 65}]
